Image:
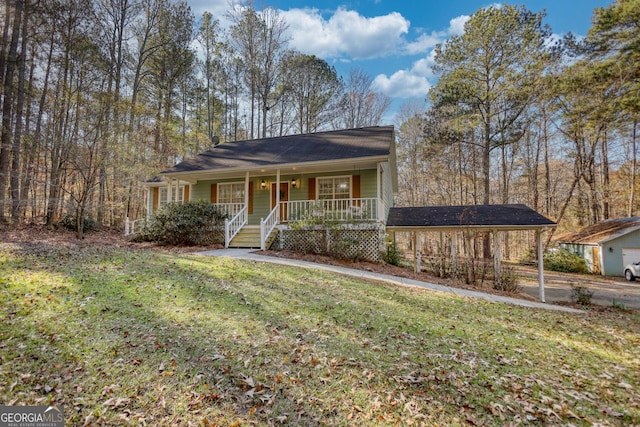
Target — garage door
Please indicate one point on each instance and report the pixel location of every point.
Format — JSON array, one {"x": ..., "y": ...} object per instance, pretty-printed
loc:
[{"x": 630, "y": 255}]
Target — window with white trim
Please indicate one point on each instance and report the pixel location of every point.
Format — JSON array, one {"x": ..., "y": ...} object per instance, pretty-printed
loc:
[
  {"x": 231, "y": 192},
  {"x": 335, "y": 187},
  {"x": 163, "y": 195}
]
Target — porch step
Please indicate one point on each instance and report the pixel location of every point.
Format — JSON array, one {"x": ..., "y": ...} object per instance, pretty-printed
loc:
[
  {"x": 271, "y": 238},
  {"x": 249, "y": 237}
]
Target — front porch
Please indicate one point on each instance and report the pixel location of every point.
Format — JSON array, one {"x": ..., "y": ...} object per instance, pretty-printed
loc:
[{"x": 241, "y": 232}]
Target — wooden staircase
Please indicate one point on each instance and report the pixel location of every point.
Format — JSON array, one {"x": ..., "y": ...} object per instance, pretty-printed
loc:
[{"x": 249, "y": 237}]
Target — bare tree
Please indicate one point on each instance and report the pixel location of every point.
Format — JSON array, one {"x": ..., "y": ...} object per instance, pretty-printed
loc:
[
  {"x": 361, "y": 105},
  {"x": 259, "y": 39}
]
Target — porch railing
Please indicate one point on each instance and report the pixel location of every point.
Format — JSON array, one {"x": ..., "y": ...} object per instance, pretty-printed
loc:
[
  {"x": 132, "y": 227},
  {"x": 267, "y": 225},
  {"x": 233, "y": 225},
  {"x": 341, "y": 210}
]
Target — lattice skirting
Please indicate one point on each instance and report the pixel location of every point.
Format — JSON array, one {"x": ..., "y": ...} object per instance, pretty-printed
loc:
[{"x": 346, "y": 243}]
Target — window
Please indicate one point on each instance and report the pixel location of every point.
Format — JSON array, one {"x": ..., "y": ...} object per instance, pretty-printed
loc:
[
  {"x": 163, "y": 195},
  {"x": 232, "y": 192},
  {"x": 337, "y": 187},
  {"x": 162, "y": 199}
]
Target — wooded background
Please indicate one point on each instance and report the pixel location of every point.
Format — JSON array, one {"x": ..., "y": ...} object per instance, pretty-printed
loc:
[{"x": 98, "y": 96}]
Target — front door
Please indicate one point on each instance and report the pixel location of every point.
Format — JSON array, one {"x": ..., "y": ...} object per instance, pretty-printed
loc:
[{"x": 284, "y": 197}]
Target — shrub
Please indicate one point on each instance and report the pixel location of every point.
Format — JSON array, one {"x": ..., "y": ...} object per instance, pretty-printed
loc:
[
  {"x": 565, "y": 261},
  {"x": 581, "y": 295},
  {"x": 70, "y": 222},
  {"x": 508, "y": 281},
  {"x": 197, "y": 223},
  {"x": 391, "y": 255}
]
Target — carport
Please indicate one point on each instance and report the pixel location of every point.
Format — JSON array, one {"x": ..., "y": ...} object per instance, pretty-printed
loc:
[{"x": 471, "y": 219}]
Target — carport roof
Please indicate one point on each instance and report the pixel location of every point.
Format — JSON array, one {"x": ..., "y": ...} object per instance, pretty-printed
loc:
[{"x": 476, "y": 217}]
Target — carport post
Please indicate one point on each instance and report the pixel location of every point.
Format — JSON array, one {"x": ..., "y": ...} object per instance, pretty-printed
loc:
[
  {"x": 454, "y": 254},
  {"x": 497, "y": 254},
  {"x": 540, "y": 266}
]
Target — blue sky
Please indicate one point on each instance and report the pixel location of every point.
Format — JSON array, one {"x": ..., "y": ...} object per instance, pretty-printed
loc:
[{"x": 392, "y": 40}]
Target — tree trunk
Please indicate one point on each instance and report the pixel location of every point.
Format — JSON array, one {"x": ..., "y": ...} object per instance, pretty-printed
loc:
[
  {"x": 634, "y": 167},
  {"x": 17, "y": 139},
  {"x": 7, "y": 106},
  {"x": 606, "y": 190},
  {"x": 486, "y": 175}
]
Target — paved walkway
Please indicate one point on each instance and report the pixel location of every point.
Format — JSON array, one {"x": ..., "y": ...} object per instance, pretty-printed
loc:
[{"x": 249, "y": 254}]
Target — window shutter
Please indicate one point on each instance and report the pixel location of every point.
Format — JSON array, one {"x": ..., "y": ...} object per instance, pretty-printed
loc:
[
  {"x": 156, "y": 196},
  {"x": 250, "y": 207},
  {"x": 186, "y": 193},
  {"x": 312, "y": 188},
  {"x": 214, "y": 193}
]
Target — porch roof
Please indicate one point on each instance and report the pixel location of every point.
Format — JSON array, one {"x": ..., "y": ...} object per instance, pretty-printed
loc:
[
  {"x": 476, "y": 217},
  {"x": 363, "y": 144}
]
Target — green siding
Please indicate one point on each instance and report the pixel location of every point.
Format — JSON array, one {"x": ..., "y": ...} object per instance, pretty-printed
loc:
[{"x": 387, "y": 187}]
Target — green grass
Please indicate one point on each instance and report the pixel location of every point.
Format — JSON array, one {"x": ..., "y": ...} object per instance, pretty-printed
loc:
[{"x": 133, "y": 337}]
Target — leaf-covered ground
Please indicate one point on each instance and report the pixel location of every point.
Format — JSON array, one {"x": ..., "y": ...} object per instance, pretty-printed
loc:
[{"x": 123, "y": 336}]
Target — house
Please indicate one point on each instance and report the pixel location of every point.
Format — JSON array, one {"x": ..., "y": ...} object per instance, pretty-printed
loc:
[
  {"x": 340, "y": 185},
  {"x": 606, "y": 246},
  {"x": 264, "y": 185}
]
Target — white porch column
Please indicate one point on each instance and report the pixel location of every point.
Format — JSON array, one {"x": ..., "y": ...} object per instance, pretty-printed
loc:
[
  {"x": 379, "y": 213},
  {"x": 169, "y": 190},
  {"x": 278, "y": 189},
  {"x": 454, "y": 254},
  {"x": 540, "y": 267},
  {"x": 246, "y": 190},
  {"x": 150, "y": 201},
  {"x": 416, "y": 252}
]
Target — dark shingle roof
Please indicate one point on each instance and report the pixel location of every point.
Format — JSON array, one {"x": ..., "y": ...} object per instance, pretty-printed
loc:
[
  {"x": 601, "y": 231},
  {"x": 292, "y": 149},
  {"x": 472, "y": 216}
]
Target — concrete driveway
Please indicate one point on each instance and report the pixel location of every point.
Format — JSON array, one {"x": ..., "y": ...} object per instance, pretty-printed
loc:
[{"x": 605, "y": 290}]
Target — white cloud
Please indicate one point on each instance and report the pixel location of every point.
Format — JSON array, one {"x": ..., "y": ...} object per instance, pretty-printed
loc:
[
  {"x": 345, "y": 33},
  {"x": 217, "y": 8},
  {"x": 456, "y": 25},
  {"x": 423, "y": 43},
  {"x": 402, "y": 84},
  {"x": 414, "y": 82},
  {"x": 411, "y": 83}
]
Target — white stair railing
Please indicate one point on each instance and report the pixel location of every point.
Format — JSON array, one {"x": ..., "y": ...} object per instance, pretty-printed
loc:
[
  {"x": 232, "y": 226},
  {"x": 267, "y": 225}
]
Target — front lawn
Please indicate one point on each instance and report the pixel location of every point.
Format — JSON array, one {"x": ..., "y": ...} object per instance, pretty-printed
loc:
[{"x": 138, "y": 337}]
